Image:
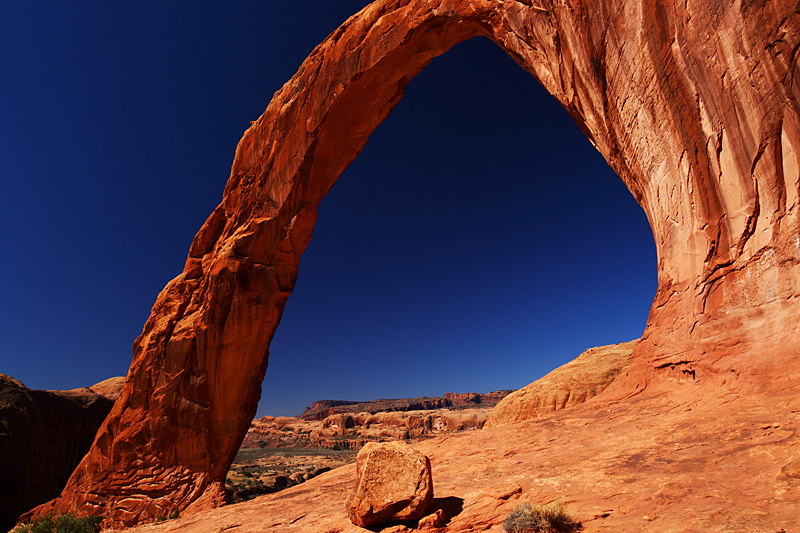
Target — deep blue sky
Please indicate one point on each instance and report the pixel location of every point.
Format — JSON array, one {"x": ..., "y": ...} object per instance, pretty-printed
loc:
[{"x": 478, "y": 242}]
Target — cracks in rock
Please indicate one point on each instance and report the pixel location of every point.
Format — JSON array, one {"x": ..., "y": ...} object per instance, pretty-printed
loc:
[
  {"x": 688, "y": 372},
  {"x": 712, "y": 249},
  {"x": 752, "y": 218},
  {"x": 297, "y": 519},
  {"x": 228, "y": 528},
  {"x": 724, "y": 269},
  {"x": 533, "y": 7}
]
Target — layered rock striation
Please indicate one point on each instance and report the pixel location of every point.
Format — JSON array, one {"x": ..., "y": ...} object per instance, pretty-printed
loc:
[{"x": 695, "y": 105}]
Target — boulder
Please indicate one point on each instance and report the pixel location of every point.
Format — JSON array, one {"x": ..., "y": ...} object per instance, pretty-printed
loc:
[
  {"x": 393, "y": 484},
  {"x": 571, "y": 384}
]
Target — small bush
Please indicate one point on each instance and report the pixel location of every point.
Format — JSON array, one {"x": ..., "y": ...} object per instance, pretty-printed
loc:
[
  {"x": 65, "y": 523},
  {"x": 551, "y": 518}
]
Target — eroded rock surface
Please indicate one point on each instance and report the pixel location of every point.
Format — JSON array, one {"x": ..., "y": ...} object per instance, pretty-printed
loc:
[
  {"x": 696, "y": 460},
  {"x": 568, "y": 385},
  {"x": 694, "y": 104},
  {"x": 43, "y": 437},
  {"x": 393, "y": 484}
]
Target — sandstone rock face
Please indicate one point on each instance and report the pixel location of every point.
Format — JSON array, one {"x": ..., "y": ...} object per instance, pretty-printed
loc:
[
  {"x": 43, "y": 437},
  {"x": 695, "y": 105},
  {"x": 571, "y": 384},
  {"x": 393, "y": 484}
]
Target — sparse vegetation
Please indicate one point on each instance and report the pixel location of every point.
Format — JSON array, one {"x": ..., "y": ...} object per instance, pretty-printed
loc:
[
  {"x": 267, "y": 470},
  {"x": 175, "y": 513},
  {"x": 551, "y": 518},
  {"x": 64, "y": 523}
]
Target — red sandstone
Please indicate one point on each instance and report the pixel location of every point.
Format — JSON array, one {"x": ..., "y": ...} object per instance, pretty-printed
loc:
[{"x": 694, "y": 104}]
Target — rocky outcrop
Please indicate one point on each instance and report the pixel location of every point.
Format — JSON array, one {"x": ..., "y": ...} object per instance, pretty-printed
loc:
[
  {"x": 694, "y": 104},
  {"x": 571, "y": 384},
  {"x": 393, "y": 484},
  {"x": 109, "y": 388},
  {"x": 352, "y": 431},
  {"x": 43, "y": 437},
  {"x": 322, "y": 409}
]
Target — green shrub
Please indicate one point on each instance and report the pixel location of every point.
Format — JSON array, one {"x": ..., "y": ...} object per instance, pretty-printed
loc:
[
  {"x": 551, "y": 518},
  {"x": 65, "y": 523}
]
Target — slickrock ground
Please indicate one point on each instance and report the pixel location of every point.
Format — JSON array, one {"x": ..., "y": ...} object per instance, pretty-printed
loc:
[
  {"x": 571, "y": 384},
  {"x": 697, "y": 460}
]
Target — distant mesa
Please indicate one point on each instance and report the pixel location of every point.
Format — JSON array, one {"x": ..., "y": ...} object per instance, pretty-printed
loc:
[
  {"x": 322, "y": 409},
  {"x": 43, "y": 437}
]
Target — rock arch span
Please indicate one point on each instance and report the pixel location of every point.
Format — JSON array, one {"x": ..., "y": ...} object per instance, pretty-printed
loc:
[{"x": 694, "y": 105}]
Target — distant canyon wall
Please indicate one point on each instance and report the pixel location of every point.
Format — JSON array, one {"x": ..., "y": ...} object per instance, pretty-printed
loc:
[
  {"x": 694, "y": 104},
  {"x": 322, "y": 409}
]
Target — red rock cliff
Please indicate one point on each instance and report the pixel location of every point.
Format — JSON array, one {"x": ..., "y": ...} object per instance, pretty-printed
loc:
[{"x": 694, "y": 104}]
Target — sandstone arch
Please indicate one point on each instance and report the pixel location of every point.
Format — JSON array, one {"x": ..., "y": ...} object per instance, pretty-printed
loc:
[{"x": 694, "y": 106}]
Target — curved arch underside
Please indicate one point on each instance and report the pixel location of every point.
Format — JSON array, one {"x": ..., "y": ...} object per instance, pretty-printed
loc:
[{"x": 695, "y": 107}]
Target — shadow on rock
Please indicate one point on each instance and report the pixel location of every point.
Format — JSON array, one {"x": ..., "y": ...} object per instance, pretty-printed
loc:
[
  {"x": 450, "y": 506},
  {"x": 444, "y": 508}
]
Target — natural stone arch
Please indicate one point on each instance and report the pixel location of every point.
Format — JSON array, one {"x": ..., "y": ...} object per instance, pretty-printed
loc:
[{"x": 695, "y": 108}]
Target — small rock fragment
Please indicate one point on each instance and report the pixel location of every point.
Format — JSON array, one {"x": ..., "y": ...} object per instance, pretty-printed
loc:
[{"x": 432, "y": 521}]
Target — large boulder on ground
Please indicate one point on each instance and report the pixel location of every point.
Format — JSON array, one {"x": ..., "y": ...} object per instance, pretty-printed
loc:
[
  {"x": 393, "y": 484},
  {"x": 43, "y": 437},
  {"x": 586, "y": 376}
]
